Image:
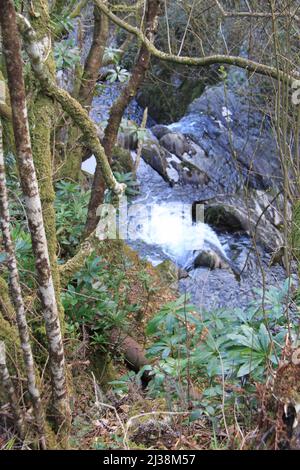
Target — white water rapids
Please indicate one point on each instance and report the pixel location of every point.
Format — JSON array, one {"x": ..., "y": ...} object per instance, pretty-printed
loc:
[{"x": 167, "y": 225}]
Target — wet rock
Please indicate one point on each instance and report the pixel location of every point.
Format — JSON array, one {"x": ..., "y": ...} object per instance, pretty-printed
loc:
[
  {"x": 155, "y": 156},
  {"x": 184, "y": 167},
  {"x": 260, "y": 214},
  {"x": 226, "y": 137},
  {"x": 236, "y": 139},
  {"x": 175, "y": 143},
  {"x": 187, "y": 172},
  {"x": 160, "y": 130}
]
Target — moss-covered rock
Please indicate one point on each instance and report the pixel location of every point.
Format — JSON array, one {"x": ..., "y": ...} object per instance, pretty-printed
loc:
[{"x": 168, "y": 271}]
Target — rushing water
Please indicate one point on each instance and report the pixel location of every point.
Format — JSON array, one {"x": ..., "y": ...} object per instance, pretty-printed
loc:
[
  {"x": 175, "y": 238},
  {"x": 166, "y": 230}
]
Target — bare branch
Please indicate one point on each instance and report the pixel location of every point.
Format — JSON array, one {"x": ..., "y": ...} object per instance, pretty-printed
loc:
[
  {"x": 253, "y": 14},
  {"x": 241, "y": 62}
]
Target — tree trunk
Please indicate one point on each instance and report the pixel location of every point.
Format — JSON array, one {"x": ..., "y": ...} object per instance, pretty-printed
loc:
[
  {"x": 14, "y": 64},
  {"x": 94, "y": 59},
  {"x": 10, "y": 390},
  {"x": 18, "y": 302},
  {"x": 75, "y": 151},
  {"x": 117, "y": 111}
]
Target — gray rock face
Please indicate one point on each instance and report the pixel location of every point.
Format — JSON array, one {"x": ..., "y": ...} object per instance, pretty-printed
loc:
[
  {"x": 225, "y": 139},
  {"x": 155, "y": 156},
  {"x": 175, "y": 143},
  {"x": 177, "y": 167}
]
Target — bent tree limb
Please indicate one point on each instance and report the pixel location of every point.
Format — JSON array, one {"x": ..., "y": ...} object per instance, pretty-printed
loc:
[
  {"x": 18, "y": 302},
  {"x": 28, "y": 179},
  {"x": 75, "y": 264},
  {"x": 118, "y": 108},
  {"x": 75, "y": 150},
  {"x": 94, "y": 59},
  {"x": 70, "y": 105},
  {"x": 249, "y": 65}
]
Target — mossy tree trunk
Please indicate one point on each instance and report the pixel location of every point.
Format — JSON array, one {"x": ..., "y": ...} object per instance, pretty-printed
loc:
[
  {"x": 18, "y": 302},
  {"x": 41, "y": 115},
  {"x": 28, "y": 179}
]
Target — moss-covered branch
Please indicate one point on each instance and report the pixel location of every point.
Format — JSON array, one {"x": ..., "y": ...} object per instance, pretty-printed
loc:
[
  {"x": 73, "y": 265},
  {"x": 70, "y": 105}
]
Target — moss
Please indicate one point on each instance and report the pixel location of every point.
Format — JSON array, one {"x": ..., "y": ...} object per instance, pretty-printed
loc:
[
  {"x": 5, "y": 302},
  {"x": 76, "y": 263},
  {"x": 168, "y": 271},
  {"x": 70, "y": 168},
  {"x": 41, "y": 119},
  {"x": 9, "y": 334},
  {"x": 40, "y": 21},
  {"x": 8, "y": 137},
  {"x": 103, "y": 369},
  {"x": 121, "y": 160}
]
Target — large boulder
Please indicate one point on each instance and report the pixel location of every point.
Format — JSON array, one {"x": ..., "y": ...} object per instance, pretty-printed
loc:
[
  {"x": 175, "y": 143},
  {"x": 259, "y": 214}
]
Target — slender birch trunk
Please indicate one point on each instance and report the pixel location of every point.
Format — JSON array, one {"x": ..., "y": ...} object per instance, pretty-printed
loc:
[
  {"x": 12, "y": 55},
  {"x": 18, "y": 302},
  {"x": 11, "y": 393}
]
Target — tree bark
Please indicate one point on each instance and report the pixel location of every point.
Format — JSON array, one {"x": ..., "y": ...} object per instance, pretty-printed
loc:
[
  {"x": 18, "y": 302},
  {"x": 247, "y": 64},
  {"x": 11, "y": 393},
  {"x": 94, "y": 59},
  {"x": 117, "y": 111},
  {"x": 75, "y": 151},
  {"x": 14, "y": 64}
]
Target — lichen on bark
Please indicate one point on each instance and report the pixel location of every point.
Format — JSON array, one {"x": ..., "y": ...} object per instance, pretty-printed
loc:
[
  {"x": 32, "y": 202},
  {"x": 41, "y": 119}
]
